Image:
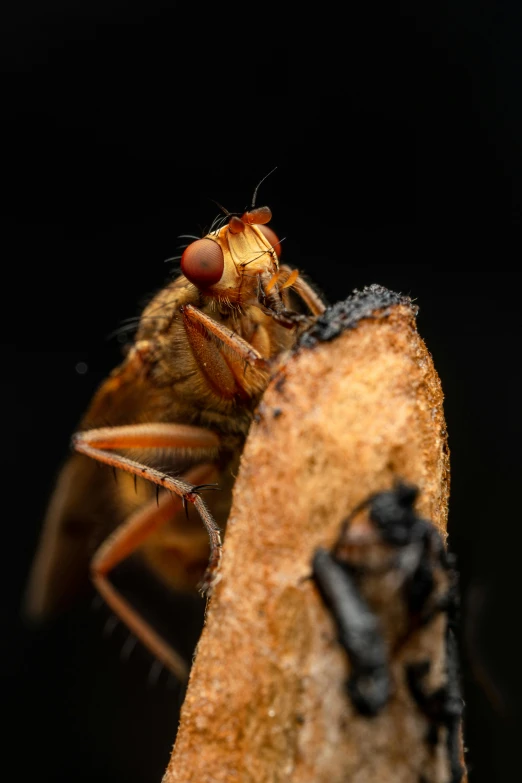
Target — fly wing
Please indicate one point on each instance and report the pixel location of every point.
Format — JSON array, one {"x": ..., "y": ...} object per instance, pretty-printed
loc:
[
  {"x": 86, "y": 504},
  {"x": 76, "y": 515}
]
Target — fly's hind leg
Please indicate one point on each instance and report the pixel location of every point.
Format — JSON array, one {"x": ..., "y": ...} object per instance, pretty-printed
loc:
[
  {"x": 123, "y": 542},
  {"x": 100, "y": 443}
]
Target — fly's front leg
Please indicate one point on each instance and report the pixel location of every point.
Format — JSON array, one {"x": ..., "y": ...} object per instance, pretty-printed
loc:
[
  {"x": 302, "y": 289},
  {"x": 99, "y": 444},
  {"x": 273, "y": 296},
  {"x": 123, "y": 542},
  {"x": 232, "y": 367}
]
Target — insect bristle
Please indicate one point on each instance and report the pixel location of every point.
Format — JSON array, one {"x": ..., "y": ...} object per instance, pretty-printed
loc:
[
  {"x": 131, "y": 324},
  {"x": 154, "y": 673},
  {"x": 128, "y": 647},
  {"x": 260, "y": 255},
  {"x": 218, "y": 223},
  {"x": 110, "y": 625}
]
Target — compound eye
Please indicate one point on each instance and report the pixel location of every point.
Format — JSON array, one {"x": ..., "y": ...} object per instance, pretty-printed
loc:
[
  {"x": 203, "y": 263},
  {"x": 272, "y": 239}
]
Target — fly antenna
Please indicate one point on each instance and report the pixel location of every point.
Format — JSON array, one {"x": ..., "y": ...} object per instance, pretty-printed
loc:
[
  {"x": 258, "y": 185},
  {"x": 222, "y": 208}
]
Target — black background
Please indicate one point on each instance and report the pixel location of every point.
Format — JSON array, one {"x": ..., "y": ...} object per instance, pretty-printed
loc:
[{"x": 397, "y": 135}]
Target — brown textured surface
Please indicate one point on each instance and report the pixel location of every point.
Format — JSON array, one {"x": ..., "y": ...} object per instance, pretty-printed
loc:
[{"x": 266, "y": 698}]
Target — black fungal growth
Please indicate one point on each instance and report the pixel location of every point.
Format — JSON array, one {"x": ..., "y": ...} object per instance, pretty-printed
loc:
[
  {"x": 347, "y": 314},
  {"x": 394, "y": 517},
  {"x": 443, "y": 707},
  {"x": 359, "y": 633},
  {"x": 422, "y": 558}
]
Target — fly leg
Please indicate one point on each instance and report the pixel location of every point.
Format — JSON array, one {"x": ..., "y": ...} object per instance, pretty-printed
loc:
[
  {"x": 100, "y": 443},
  {"x": 303, "y": 290},
  {"x": 125, "y": 540},
  {"x": 232, "y": 367}
]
